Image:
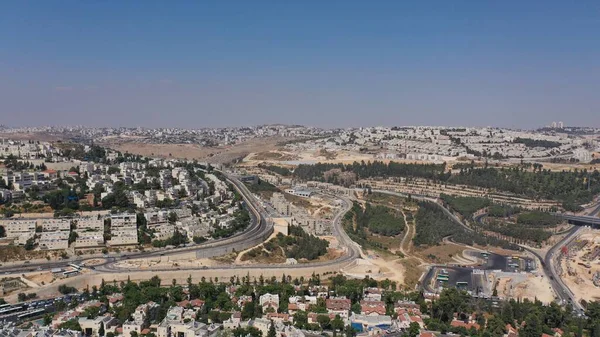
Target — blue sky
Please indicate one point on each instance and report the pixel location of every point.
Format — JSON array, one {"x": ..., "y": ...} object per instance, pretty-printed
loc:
[{"x": 322, "y": 63}]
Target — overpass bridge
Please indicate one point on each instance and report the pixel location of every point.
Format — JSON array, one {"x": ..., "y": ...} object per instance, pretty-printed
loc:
[{"x": 581, "y": 219}]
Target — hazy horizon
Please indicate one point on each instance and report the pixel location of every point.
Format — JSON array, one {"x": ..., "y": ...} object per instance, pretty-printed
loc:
[{"x": 326, "y": 64}]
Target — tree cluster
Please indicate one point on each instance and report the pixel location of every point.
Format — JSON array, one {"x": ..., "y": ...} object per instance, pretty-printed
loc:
[
  {"x": 301, "y": 245},
  {"x": 547, "y": 144},
  {"x": 537, "y": 219},
  {"x": 283, "y": 171},
  {"x": 373, "y": 169},
  {"x": 569, "y": 187},
  {"x": 466, "y": 206}
]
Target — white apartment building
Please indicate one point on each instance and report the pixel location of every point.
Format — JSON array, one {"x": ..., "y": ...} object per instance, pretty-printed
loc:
[
  {"x": 269, "y": 301},
  {"x": 89, "y": 238},
  {"x": 123, "y": 220},
  {"x": 54, "y": 240},
  {"x": 281, "y": 205},
  {"x": 92, "y": 223},
  {"x": 21, "y": 230},
  {"x": 91, "y": 326},
  {"x": 86, "y": 168},
  {"x": 52, "y": 225},
  {"x": 425, "y": 157},
  {"x": 123, "y": 230},
  {"x": 582, "y": 155}
]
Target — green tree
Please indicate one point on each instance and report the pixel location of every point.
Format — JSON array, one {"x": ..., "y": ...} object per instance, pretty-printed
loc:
[
  {"x": 101, "y": 330},
  {"x": 413, "y": 329},
  {"x": 337, "y": 324},
  {"x": 71, "y": 324},
  {"x": 172, "y": 217},
  {"x": 356, "y": 308},
  {"x": 496, "y": 326},
  {"x": 533, "y": 326},
  {"x": 507, "y": 313},
  {"x": 47, "y": 319},
  {"x": 349, "y": 331},
  {"x": 248, "y": 310},
  {"x": 272, "y": 332}
]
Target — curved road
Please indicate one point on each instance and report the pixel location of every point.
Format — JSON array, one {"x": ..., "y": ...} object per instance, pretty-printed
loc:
[
  {"x": 560, "y": 289},
  {"x": 260, "y": 230}
]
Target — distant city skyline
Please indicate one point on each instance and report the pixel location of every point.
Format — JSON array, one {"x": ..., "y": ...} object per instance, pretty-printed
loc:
[{"x": 325, "y": 64}]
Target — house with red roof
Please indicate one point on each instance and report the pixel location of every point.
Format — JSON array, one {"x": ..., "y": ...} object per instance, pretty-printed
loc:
[
  {"x": 372, "y": 308},
  {"x": 338, "y": 306},
  {"x": 457, "y": 323}
]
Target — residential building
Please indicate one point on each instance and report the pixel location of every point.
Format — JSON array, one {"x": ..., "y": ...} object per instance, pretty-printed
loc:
[
  {"x": 177, "y": 324},
  {"x": 338, "y": 306}
]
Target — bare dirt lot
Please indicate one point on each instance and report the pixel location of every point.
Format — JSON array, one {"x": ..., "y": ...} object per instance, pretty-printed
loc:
[
  {"x": 41, "y": 278},
  {"x": 581, "y": 265},
  {"x": 165, "y": 262},
  {"x": 218, "y": 154},
  {"x": 39, "y": 136},
  {"x": 525, "y": 286},
  {"x": 307, "y": 156},
  {"x": 440, "y": 254}
]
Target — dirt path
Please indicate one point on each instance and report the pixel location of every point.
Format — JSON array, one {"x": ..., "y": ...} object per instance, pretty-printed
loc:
[
  {"x": 406, "y": 247},
  {"x": 238, "y": 259}
]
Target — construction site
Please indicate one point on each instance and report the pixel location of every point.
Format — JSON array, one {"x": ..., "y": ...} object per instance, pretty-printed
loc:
[
  {"x": 516, "y": 277},
  {"x": 579, "y": 266}
]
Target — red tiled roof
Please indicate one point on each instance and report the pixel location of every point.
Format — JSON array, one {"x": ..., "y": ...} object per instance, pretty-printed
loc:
[
  {"x": 283, "y": 316},
  {"x": 369, "y": 307},
  {"x": 115, "y": 298},
  {"x": 270, "y": 304},
  {"x": 465, "y": 325},
  {"x": 338, "y": 304},
  {"x": 197, "y": 303}
]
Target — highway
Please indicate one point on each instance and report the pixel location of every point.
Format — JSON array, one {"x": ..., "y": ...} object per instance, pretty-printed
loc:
[
  {"x": 563, "y": 292},
  {"x": 255, "y": 234},
  {"x": 257, "y": 230},
  {"x": 584, "y": 219}
]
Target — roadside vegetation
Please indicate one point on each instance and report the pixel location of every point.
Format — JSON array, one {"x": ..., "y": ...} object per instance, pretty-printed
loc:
[
  {"x": 531, "y": 227},
  {"x": 371, "y": 226},
  {"x": 298, "y": 245},
  {"x": 465, "y": 206},
  {"x": 502, "y": 211},
  {"x": 283, "y": 171},
  {"x": 373, "y": 169},
  {"x": 517, "y": 232},
  {"x": 263, "y": 189},
  {"x": 568, "y": 187},
  {"x": 433, "y": 225},
  {"x": 538, "y": 219}
]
